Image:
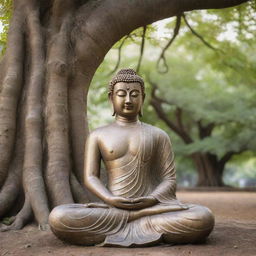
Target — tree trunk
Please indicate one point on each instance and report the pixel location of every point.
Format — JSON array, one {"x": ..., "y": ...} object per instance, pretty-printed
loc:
[
  {"x": 209, "y": 172},
  {"x": 54, "y": 48}
]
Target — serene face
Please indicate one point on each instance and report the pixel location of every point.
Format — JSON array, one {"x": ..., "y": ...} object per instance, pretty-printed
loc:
[{"x": 127, "y": 99}]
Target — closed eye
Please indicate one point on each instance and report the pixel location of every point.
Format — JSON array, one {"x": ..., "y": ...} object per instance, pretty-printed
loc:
[
  {"x": 121, "y": 93},
  {"x": 135, "y": 93}
]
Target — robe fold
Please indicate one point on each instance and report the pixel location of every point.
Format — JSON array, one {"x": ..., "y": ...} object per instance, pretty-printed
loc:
[{"x": 150, "y": 172}]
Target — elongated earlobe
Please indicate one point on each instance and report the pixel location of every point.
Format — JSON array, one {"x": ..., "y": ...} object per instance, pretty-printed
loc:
[
  {"x": 140, "y": 112},
  {"x": 141, "y": 108},
  {"x": 111, "y": 102}
]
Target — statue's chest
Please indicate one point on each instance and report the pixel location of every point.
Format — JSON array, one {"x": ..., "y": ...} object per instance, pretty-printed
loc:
[{"x": 122, "y": 143}]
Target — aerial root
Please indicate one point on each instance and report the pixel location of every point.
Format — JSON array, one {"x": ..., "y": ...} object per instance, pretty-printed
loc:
[
  {"x": 10, "y": 93},
  {"x": 162, "y": 55},
  {"x": 33, "y": 180},
  {"x": 77, "y": 122},
  {"x": 57, "y": 128},
  {"x": 119, "y": 55},
  {"x": 141, "y": 48}
]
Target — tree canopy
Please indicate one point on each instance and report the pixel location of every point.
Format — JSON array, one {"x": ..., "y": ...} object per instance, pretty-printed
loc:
[{"x": 210, "y": 78}]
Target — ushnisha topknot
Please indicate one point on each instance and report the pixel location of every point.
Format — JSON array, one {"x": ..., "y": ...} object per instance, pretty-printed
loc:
[{"x": 126, "y": 75}]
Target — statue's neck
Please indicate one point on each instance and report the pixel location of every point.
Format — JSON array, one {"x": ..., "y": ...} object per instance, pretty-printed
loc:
[{"x": 127, "y": 121}]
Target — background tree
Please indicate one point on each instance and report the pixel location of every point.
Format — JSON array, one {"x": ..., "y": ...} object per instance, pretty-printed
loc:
[
  {"x": 209, "y": 103},
  {"x": 54, "y": 48},
  {"x": 213, "y": 123},
  {"x": 213, "y": 104}
]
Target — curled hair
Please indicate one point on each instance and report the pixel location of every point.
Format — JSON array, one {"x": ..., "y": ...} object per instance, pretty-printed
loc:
[{"x": 126, "y": 75}]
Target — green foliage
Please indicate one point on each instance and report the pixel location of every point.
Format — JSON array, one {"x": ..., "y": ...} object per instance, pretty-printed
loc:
[
  {"x": 5, "y": 15},
  {"x": 7, "y": 221},
  {"x": 209, "y": 85},
  {"x": 99, "y": 111},
  {"x": 238, "y": 172},
  {"x": 205, "y": 96}
]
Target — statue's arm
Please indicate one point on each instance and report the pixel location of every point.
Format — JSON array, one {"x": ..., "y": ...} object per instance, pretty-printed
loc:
[
  {"x": 92, "y": 162},
  {"x": 92, "y": 173}
]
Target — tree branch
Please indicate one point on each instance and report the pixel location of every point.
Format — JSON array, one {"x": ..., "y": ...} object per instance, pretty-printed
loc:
[
  {"x": 110, "y": 20},
  {"x": 178, "y": 114},
  {"x": 229, "y": 155},
  {"x": 141, "y": 48},
  {"x": 205, "y": 131},
  {"x": 226, "y": 158},
  {"x": 162, "y": 55},
  {"x": 156, "y": 104},
  {"x": 198, "y": 35},
  {"x": 119, "y": 56}
]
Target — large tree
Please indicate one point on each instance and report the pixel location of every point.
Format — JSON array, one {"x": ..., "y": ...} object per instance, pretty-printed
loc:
[
  {"x": 54, "y": 48},
  {"x": 212, "y": 130}
]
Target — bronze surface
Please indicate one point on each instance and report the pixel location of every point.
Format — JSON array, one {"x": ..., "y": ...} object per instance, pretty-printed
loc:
[{"x": 139, "y": 205}]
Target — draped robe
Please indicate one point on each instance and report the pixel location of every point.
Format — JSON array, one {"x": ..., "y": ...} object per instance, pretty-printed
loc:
[{"x": 150, "y": 172}]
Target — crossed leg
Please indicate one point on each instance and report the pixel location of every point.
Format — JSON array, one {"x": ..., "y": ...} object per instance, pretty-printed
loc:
[{"x": 78, "y": 224}]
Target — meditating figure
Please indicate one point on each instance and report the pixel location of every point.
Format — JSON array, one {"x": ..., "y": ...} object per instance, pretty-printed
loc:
[{"x": 139, "y": 205}]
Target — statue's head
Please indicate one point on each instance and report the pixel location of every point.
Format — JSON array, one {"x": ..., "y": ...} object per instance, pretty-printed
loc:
[{"x": 126, "y": 92}]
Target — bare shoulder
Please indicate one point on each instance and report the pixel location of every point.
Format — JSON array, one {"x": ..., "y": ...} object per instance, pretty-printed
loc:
[
  {"x": 100, "y": 132},
  {"x": 156, "y": 132}
]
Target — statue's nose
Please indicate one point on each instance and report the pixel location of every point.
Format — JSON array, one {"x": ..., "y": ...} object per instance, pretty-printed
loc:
[{"x": 127, "y": 99}]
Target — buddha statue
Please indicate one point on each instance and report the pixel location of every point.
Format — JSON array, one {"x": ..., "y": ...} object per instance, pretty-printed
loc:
[{"x": 138, "y": 206}]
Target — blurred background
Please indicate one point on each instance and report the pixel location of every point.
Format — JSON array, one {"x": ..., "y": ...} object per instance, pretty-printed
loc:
[{"x": 199, "y": 73}]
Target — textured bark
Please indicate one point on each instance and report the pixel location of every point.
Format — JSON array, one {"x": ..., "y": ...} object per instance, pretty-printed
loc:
[
  {"x": 13, "y": 182},
  {"x": 209, "y": 173},
  {"x": 57, "y": 125},
  {"x": 32, "y": 169},
  {"x": 10, "y": 89},
  {"x": 54, "y": 48}
]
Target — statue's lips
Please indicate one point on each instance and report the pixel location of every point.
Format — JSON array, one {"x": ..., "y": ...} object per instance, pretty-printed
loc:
[{"x": 128, "y": 107}]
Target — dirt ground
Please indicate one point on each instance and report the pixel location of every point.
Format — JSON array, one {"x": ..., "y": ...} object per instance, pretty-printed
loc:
[{"x": 234, "y": 233}]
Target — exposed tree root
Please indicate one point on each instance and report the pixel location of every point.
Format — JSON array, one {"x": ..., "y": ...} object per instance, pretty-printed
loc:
[
  {"x": 10, "y": 189},
  {"x": 13, "y": 183},
  {"x": 21, "y": 219}
]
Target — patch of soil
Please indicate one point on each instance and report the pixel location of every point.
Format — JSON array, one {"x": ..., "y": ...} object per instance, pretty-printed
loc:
[{"x": 234, "y": 233}]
